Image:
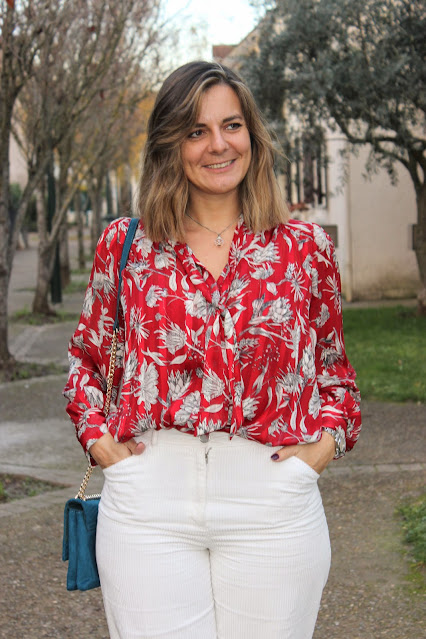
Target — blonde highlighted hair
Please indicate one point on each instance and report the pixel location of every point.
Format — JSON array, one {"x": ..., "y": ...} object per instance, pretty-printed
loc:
[{"x": 163, "y": 192}]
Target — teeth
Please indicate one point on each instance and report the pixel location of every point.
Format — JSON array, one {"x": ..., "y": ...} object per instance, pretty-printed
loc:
[{"x": 219, "y": 166}]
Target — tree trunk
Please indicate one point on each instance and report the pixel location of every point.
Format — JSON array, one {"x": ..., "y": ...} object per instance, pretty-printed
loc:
[
  {"x": 108, "y": 195},
  {"x": 96, "y": 199},
  {"x": 6, "y": 108},
  {"x": 46, "y": 259},
  {"x": 48, "y": 242},
  {"x": 126, "y": 204},
  {"x": 80, "y": 231},
  {"x": 420, "y": 246},
  {"x": 9, "y": 235},
  {"x": 5, "y": 266},
  {"x": 5, "y": 357},
  {"x": 64, "y": 255}
]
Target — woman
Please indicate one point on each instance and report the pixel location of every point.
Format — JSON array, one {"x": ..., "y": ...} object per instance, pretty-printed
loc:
[{"x": 234, "y": 388}]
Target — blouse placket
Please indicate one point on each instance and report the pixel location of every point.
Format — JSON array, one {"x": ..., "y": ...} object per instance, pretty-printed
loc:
[{"x": 221, "y": 343}]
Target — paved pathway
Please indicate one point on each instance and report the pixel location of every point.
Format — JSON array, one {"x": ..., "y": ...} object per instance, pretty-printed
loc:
[{"x": 368, "y": 595}]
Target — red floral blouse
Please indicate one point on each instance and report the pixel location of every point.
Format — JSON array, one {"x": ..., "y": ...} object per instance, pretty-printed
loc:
[{"x": 258, "y": 353}]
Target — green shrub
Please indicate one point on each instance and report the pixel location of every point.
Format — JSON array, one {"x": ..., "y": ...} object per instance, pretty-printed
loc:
[{"x": 414, "y": 526}]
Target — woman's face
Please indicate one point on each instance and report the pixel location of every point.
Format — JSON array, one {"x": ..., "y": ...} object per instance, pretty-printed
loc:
[{"x": 216, "y": 154}]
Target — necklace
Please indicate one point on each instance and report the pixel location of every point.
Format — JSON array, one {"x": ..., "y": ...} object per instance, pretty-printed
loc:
[{"x": 219, "y": 241}]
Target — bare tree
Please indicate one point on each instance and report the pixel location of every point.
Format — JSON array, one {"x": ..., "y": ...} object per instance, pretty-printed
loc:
[
  {"x": 25, "y": 27},
  {"x": 125, "y": 128},
  {"x": 82, "y": 80}
]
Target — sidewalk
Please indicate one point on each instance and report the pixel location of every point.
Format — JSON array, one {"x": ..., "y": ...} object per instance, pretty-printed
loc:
[{"x": 367, "y": 596}]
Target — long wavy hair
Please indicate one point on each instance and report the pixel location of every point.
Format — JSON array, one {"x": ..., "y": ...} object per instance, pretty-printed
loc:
[{"x": 163, "y": 192}]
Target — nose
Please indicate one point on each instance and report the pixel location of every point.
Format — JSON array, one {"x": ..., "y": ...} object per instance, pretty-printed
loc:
[{"x": 218, "y": 143}]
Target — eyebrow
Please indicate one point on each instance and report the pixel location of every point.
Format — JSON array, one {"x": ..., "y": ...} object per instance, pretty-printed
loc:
[{"x": 236, "y": 116}]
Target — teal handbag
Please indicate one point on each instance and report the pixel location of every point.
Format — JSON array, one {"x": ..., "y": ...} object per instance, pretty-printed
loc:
[
  {"x": 79, "y": 543},
  {"x": 81, "y": 513}
]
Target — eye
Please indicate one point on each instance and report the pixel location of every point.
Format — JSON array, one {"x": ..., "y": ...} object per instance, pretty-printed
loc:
[
  {"x": 195, "y": 134},
  {"x": 234, "y": 126}
]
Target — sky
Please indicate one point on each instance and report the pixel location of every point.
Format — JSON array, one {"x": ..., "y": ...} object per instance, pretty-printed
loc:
[{"x": 207, "y": 22}]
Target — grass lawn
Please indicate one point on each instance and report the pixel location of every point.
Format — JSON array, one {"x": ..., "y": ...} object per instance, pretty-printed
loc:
[
  {"x": 387, "y": 348},
  {"x": 25, "y": 316},
  {"x": 413, "y": 515}
]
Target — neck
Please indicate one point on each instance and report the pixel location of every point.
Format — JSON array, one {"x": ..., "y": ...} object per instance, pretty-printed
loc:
[{"x": 216, "y": 212}]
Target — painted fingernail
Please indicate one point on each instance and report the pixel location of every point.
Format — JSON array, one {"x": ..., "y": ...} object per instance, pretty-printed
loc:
[{"x": 275, "y": 456}]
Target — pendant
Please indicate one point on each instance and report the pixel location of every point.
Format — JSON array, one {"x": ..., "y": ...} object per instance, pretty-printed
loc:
[{"x": 219, "y": 241}]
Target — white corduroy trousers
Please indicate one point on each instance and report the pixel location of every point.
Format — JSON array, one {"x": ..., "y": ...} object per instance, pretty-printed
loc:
[{"x": 211, "y": 540}]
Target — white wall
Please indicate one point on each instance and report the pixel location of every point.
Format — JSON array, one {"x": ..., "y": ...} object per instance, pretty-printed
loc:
[
  {"x": 384, "y": 264},
  {"x": 374, "y": 219}
]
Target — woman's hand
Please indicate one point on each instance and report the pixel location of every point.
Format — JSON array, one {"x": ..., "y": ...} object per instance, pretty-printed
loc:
[
  {"x": 317, "y": 455},
  {"x": 106, "y": 451}
]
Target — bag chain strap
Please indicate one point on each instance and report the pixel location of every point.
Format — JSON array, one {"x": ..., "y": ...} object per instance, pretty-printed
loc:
[{"x": 110, "y": 381}]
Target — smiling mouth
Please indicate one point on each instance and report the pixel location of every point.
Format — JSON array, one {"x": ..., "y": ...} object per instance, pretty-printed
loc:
[{"x": 222, "y": 165}]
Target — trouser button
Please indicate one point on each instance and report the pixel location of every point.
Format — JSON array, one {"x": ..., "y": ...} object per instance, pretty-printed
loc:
[{"x": 204, "y": 437}]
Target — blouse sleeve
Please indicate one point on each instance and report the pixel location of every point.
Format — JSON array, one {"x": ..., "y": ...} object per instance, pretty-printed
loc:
[
  {"x": 90, "y": 346},
  {"x": 340, "y": 397}
]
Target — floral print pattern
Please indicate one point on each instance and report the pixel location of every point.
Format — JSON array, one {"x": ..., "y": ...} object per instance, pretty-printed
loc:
[{"x": 258, "y": 353}]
